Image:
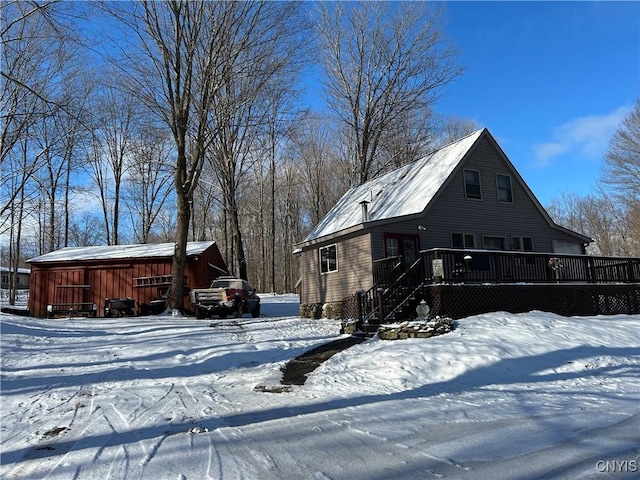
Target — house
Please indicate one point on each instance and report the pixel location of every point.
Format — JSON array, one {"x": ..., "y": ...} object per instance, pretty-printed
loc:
[
  {"x": 465, "y": 195},
  {"x": 22, "y": 279},
  {"x": 73, "y": 280}
]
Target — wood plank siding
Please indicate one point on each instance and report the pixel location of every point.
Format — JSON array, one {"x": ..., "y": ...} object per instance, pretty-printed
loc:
[
  {"x": 93, "y": 281},
  {"x": 355, "y": 271}
]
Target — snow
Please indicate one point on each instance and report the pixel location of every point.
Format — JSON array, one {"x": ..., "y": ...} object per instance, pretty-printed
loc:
[
  {"x": 405, "y": 191},
  {"x": 503, "y": 396},
  {"x": 108, "y": 252}
]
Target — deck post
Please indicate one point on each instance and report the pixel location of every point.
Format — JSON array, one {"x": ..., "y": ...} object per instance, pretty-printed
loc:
[
  {"x": 380, "y": 305},
  {"x": 437, "y": 267}
]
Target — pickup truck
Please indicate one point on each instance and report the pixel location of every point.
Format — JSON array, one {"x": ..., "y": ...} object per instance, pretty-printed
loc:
[{"x": 225, "y": 295}]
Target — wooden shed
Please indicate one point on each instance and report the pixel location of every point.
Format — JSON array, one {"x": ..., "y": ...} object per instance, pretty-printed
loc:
[{"x": 79, "y": 280}]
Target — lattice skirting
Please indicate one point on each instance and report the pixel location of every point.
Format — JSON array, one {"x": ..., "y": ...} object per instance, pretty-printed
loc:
[{"x": 463, "y": 300}]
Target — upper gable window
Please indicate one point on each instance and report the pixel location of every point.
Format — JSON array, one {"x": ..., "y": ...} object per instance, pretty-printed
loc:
[
  {"x": 328, "y": 259},
  {"x": 505, "y": 193},
  {"x": 472, "y": 184}
]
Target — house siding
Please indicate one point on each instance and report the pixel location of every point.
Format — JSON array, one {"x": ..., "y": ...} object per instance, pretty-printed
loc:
[
  {"x": 452, "y": 212},
  {"x": 355, "y": 271},
  {"x": 22, "y": 278},
  {"x": 400, "y": 228},
  {"x": 447, "y": 210}
]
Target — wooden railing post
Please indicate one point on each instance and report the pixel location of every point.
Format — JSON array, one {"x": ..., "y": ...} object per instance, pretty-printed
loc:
[
  {"x": 438, "y": 275},
  {"x": 380, "y": 305},
  {"x": 497, "y": 265}
]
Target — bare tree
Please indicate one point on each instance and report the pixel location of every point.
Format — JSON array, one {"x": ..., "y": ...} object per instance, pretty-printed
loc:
[
  {"x": 31, "y": 53},
  {"x": 622, "y": 159},
  {"x": 593, "y": 215},
  {"x": 83, "y": 231},
  {"x": 179, "y": 45},
  {"x": 115, "y": 125},
  {"x": 621, "y": 177},
  {"x": 149, "y": 182},
  {"x": 292, "y": 217},
  {"x": 284, "y": 116},
  {"x": 409, "y": 138},
  {"x": 40, "y": 116},
  {"x": 324, "y": 174},
  {"x": 57, "y": 135},
  {"x": 452, "y": 128},
  {"x": 260, "y": 47},
  {"x": 207, "y": 210},
  {"x": 381, "y": 61}
]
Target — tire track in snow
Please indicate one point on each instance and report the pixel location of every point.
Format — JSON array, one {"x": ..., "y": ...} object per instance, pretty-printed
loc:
[
  {"x": 57, "y": 437},
  {"x": 180, "y": 404},
  {"x": 239, "y": 456}
]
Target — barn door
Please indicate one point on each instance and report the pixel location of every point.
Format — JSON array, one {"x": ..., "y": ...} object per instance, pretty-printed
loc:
[{"x": 71, "y": 287}]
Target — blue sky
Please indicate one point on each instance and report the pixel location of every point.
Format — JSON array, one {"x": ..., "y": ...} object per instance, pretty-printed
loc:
[{"x": 551, "y": 81}]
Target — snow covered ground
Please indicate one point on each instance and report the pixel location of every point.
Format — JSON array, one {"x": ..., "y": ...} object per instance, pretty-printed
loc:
[{"x": 503, "y": 396}]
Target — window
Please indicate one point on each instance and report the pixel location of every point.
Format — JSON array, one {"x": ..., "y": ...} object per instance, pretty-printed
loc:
[
  {"x": 505, "y": 194},
  {"x": 391, "y": 247},
  {"x": 560, "y": 246},
  {"x": 472, "y": 184},
  {"x": 463, "y": 240},
  {"x": 328, "y": 259},
  {"x": 522, "y": 243},
  {"x": 493, "y": 243}
]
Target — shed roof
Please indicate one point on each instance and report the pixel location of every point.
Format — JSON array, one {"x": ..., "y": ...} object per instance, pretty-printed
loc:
[
  {"x": 405, "y": 191},
  {"x": 108, "y": 252}
]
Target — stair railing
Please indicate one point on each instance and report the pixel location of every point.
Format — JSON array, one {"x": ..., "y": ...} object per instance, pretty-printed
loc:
[
  {"x": 400, "y": 292},
  {"x": 387, "y": 296},
  {"x": 386, "y": 271}
]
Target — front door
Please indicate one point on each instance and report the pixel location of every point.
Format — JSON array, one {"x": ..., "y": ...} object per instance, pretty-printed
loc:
[{"x": 405, "y": 246}]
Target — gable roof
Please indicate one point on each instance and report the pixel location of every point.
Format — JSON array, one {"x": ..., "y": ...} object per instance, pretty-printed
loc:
[
  {"x": 409, "y": 190},
  {"x": 107, "y": 252},
  {"x": 405, "y": 191}
]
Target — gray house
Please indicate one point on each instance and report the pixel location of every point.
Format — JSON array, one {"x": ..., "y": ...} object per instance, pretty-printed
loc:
[
  {"x": 466, "y": 195},
  {"x": 22, "y": 277}
]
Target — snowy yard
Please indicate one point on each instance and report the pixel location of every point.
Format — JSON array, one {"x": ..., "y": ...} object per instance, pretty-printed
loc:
[{"x": 503, "y": 396}]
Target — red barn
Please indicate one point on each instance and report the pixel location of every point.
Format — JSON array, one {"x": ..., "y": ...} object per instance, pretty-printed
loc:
[{"x": 73, "y": 280}]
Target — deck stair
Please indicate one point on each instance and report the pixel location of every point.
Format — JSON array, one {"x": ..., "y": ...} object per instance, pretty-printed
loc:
[{"x": 393, "y": 298}]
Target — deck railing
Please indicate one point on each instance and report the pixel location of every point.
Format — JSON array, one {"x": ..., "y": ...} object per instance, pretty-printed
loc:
[
  {"x": 393, "y": 285},
  {"x": 486, "y": 266}
]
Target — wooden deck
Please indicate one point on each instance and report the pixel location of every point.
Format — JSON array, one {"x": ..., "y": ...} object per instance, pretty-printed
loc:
[{"x": 459, "y": 283}]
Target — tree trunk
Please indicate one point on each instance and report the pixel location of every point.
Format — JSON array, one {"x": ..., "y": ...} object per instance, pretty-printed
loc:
[
  {"x": 180, "y": 253},
  {"x": 237, "y": 236}
]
